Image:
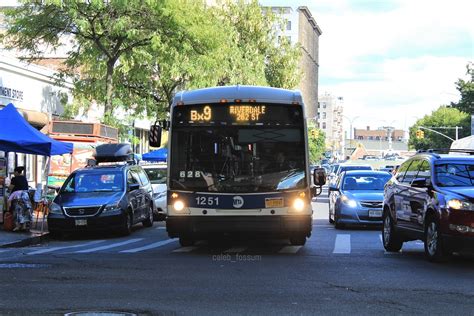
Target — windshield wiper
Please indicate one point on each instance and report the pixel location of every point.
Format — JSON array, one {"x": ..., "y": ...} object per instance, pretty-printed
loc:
[{"x": 104, "y": 190}]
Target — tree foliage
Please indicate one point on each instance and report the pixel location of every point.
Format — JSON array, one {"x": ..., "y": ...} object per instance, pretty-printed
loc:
[
  {"x": 466, "y": 89},
  {"x": 137, "y": 53},
  {"x": 316, "y": 145},
  {"x": 443, "y": 117}
]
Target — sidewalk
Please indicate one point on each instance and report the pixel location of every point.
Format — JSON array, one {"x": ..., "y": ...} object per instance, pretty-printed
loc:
[{"x": 22, "y": 239}]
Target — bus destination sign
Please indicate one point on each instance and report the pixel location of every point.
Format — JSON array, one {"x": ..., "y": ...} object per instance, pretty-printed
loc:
[{"x": 237, "y": 113}]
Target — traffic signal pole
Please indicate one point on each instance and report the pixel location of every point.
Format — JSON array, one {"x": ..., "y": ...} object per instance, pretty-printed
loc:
[{"x": 432, "y": 130}]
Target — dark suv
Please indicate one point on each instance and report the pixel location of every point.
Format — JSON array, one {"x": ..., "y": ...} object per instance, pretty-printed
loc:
[
  {"x": 431, "y": 198},
  {"x": 103, "y": 197}
]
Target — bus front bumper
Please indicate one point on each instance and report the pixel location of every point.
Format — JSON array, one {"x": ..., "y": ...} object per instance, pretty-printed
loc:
[{"x": 272, "y": 226}]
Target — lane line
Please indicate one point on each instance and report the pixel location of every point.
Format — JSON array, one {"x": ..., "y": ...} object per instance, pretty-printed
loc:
[
  {"x": 342, "y": 244},
  {"x": 37, "y": 252},
  {"x": 235, "y": 250},
  {"x": 185, "y": 249},
  {"x": 118, "y": 244},
  {"x": 150, "y": 246},
  {"x": 290, "y": 249}
]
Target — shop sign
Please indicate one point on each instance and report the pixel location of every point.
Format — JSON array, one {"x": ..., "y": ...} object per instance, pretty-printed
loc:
[{"x": 11, "y": 93}]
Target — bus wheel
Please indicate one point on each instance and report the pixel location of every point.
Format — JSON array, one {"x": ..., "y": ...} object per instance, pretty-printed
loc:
[
  {"x": 298, "y": 240},
  {"x": 186, "y": 241}
]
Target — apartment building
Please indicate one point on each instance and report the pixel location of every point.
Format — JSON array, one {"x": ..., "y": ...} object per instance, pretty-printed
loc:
[
  {"x": 302, "y": 28},
  {"x": 330, "y": 121}
]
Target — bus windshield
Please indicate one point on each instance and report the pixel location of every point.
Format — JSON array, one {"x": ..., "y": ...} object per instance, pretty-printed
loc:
[{"x": 237, "y": 158}]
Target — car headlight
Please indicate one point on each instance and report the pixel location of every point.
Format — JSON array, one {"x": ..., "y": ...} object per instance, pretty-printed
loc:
[
  {"x": 456, "y": 204},
  {"x": 111, "y": 207},
  {"x": 54, "y": 208},
  {"x": 348, "y": 202}
]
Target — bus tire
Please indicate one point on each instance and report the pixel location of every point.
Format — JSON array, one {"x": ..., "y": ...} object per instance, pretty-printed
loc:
[
  {"x": 186, "y": 241},
  {"x": 298, "y": 240}
]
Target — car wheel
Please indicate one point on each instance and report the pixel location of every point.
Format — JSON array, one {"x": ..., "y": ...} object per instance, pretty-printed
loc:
[
  {"x": 338, "y": 224},
  {"x": 298, "y": 240},
  {"x": 127, "y": 224},
  {"x": 391, "y": 240},
  {"x": 435, "y": 251},
  {"x": 149, "y": 221},
  {"x": 186, "y": 241}
]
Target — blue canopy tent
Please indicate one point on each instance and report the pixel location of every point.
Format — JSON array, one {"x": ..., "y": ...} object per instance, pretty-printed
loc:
[
  {"x": 17, "y": 135},
  {"x": 159, "y": 155}
]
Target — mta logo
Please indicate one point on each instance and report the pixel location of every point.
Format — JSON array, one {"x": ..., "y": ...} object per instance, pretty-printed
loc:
[{"x": 238, "y": 201}]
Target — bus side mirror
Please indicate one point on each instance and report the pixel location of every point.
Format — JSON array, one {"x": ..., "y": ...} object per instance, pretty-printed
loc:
[
  {"x": 155, "y": 136},
  {"x": 319, "y": 176}
]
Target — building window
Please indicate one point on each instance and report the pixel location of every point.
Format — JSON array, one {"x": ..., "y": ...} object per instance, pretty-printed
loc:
[
  {"x": 323, "y": 115},
  {"x": 288, "y": 25},
  {"x": 371, "y": 137},
  {"x": 324, "y": 105},
  {"x": 360, "y": 137},
  {"x": 324, "y": 125},
  {"x": 377, "y": 137}
]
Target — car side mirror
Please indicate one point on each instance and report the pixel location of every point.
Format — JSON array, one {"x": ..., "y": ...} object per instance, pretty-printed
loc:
[
  {"x": 319, "y": 176},
  {"x": 419, "y": 183},
  {"x": 133, "y": 187}
]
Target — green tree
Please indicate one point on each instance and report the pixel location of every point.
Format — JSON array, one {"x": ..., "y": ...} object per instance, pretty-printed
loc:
[
  {"x": 316, "y": 144},
  {"x": 105, "y": 34},
  {"x": 260, "y": 56},
  {"x": 443, "y": 117},
  {"x": 466, "y": 89}
]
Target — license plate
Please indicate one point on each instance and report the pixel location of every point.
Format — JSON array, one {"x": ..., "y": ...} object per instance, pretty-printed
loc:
[
  {"x": 278, "y": 202},
  {"x": 81, "y": 222},
  {"x": 375, "y": 213}
]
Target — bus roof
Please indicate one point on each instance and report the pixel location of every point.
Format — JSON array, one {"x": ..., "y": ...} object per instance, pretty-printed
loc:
[{"x": 243, "y": 93}]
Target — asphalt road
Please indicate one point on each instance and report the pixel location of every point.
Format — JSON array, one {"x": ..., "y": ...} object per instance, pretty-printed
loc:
[{"x": 338, "y": 272}]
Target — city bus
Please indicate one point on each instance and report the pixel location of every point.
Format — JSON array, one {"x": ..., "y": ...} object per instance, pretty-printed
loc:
[{"x": 238, "y": 164}]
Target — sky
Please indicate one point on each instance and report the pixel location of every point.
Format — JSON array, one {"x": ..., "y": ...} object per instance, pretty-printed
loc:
[{"x": 392, "y": 61}]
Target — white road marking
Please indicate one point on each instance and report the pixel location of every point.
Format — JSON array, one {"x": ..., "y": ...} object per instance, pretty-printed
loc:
[
  {"x": 118, "y": 244},
  {"x": 150, "y": 246},
  {"x": 160, "y": 228},
  {"x": 185, "y": 249},
  {"x": 381, "y": 240},
  {"x": 235, "y": 250},
  {"x": 37, "y": 252},
  {"x": 290, "y": 249},
  {"x": 3, "y": 250},
  {"x": 343, "y": 243}
]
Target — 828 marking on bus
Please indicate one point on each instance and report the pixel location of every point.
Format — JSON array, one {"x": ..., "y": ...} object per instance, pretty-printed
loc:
[{"x": 207, "y": 201}]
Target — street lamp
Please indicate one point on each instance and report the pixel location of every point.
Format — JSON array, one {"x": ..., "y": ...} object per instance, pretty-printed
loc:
[{"x": 351, "y": 120}]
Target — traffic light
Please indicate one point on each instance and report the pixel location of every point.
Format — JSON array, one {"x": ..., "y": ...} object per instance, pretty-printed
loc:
[
  {"x": 315, "y": 133},
  {"x": 420, "y": 134}
]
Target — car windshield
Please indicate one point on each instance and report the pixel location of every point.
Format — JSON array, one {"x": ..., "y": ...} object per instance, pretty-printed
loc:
[
  {"x": 365, "y": 182},
  {"x": 347, "y": 168},
  {"x": 454, "y": 174},
  {"x": 93, "y": 182},
  {"x": 156, "y": 175}
]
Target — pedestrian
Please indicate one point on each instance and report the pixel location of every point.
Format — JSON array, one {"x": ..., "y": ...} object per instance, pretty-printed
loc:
[
  {"x": 19, "y": 181},
  {"x": 19, "y": 200}
]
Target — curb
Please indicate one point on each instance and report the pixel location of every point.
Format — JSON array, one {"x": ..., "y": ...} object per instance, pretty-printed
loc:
[{"x": 32, "y": 240}]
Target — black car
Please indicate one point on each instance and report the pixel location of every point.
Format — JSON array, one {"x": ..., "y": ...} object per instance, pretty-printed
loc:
[
  {"x": 431, "y": 198},
  {"x": 103, "y": 197}
]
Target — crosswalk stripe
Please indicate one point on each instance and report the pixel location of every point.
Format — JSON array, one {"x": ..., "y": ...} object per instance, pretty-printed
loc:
[
  {"x": 150, "y": 246},
  {"x": 290, "y": 249},
  {"x": 118, "y": 244},
  {"x": 37, "y": 252},
  {"x": 235, "y": 250},
  {"x": 185, "y": 249},
  {"x": 343, "y": 243}
]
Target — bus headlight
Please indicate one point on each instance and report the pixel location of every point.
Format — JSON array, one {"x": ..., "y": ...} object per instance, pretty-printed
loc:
[
  {"x": 178, "y": 206},
  {"x": 298, "y": 204}
]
